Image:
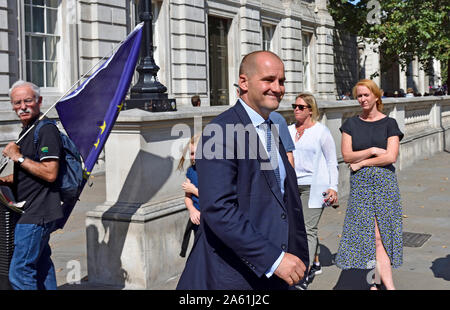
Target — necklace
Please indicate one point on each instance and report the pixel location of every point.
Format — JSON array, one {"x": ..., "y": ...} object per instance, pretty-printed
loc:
[{"x": 299, "y": 133}]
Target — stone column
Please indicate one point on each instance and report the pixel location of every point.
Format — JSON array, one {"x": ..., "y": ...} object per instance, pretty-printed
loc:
[
  {"x": 423, "y": 85},
  {"x": 403, "y": 79},
  {"x": 102, "y": 27},
  {"x": 189, "y": 59},
  {"x": 291, "y": 54},
  {"x": 250, "y": 26},
  {"x": 325, "y": 82}
]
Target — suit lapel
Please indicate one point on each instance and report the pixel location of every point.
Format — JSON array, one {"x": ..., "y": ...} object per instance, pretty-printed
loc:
[{"x": 253, "y": 153}]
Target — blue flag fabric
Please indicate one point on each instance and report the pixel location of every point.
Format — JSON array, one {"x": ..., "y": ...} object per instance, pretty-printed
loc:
[{"x": 89, "y": 112}]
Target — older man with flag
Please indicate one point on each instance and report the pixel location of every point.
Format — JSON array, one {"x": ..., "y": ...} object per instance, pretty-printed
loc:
[
  {"x": 87, "y": 115},
  {"x": 36, "y": 169}
]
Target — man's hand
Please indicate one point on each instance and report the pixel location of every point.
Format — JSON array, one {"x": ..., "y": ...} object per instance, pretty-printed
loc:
[
  {"x": 291, "y": 269},
  {"x": 12, "y": 151}
]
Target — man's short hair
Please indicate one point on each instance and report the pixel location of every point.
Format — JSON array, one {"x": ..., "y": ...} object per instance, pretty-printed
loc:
[
  {"x": 195, "y": 100},
  {"x": 20, "y": 83}
]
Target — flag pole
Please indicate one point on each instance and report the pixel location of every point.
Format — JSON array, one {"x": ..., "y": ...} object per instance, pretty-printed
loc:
[{"x": 5, "y": 162}]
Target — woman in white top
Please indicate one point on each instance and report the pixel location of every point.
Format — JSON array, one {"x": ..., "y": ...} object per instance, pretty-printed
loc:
[{"x": 317, "y": 172}]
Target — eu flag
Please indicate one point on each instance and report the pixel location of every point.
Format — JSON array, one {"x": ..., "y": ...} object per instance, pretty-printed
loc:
[{"x": 89, "y": 112}]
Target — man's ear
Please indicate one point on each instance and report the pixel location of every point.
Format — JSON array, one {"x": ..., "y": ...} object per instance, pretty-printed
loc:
[
  {"x": 39, "y": 102},
  {"x": 243, "y": 82}
]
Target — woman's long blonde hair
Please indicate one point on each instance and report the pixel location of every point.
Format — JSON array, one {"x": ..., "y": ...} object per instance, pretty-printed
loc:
[
  {"x": 192, "y": 141},
  {"x": 373, "y": 87}
]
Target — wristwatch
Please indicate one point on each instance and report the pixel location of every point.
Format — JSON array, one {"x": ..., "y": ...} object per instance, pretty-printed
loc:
[{"x": 20, "y": 160}]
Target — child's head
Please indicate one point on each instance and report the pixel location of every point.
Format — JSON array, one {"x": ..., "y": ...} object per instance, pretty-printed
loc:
[{"x": 190, "y": 147}]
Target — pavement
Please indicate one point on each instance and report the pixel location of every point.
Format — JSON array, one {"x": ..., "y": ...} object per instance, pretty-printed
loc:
[{"x": 425, "y": 192}]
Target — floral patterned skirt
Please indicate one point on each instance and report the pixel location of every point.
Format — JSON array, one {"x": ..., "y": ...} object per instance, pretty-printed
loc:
[{"x": 374, "y": 194}]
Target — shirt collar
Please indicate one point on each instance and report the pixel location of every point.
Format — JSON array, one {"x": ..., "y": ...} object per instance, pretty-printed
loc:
[
  {"x": 33, "y": 121},
  {"x": 255, "y": 118}
]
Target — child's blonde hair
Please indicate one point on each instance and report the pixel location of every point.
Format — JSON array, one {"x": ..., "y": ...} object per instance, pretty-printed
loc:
[{"x": 194, "y": 141}]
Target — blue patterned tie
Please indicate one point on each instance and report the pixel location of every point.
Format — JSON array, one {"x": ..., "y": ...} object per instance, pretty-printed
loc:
[{"x": 272, "y": 151}]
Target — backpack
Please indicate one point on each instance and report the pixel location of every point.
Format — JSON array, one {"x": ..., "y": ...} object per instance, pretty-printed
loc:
[{"x": 70, "y": 175}]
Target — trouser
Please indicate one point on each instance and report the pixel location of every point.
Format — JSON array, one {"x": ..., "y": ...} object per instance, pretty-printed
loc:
[
  {"x": 187, "y": 235},
  {"x": 31, "y": 267},
  {"x": 311, "y": 217}
]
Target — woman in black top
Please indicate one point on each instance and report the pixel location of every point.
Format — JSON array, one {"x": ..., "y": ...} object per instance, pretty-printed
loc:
[{"x": 372, "y": 235}]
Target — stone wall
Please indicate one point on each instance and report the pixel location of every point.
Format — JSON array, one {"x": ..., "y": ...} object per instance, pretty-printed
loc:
[
  {"x": 90, "y": 29},
  {"x": 189, "y": 43},
  {"x": 102, "y": 25}
]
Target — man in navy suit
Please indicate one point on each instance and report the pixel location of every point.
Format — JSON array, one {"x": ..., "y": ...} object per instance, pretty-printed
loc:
[{"x": 252, "y": 233}]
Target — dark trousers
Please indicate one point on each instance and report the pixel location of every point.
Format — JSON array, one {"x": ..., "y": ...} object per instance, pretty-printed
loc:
[{"x": 187, "y": 235}]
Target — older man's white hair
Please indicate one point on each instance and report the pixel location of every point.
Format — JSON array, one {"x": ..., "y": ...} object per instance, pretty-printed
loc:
[{"x": 21, "y": 83}]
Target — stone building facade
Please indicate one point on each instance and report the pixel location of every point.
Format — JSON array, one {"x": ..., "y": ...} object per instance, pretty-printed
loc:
[
  {"x": 198, "y": 44},
  {"x": 397, "y": 79}
]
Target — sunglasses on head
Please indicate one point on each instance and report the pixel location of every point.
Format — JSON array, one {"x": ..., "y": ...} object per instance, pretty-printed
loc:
[{"x": 300, "y": 106}]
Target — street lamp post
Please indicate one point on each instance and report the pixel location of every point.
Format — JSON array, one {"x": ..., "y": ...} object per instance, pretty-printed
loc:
[{"x": 148, "y": 93}]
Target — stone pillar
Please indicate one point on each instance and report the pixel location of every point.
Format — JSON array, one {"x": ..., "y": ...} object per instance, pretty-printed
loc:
[
  {"x": 134, "y": 238},
  {"x": 325, "y": 82},
  {"x": 403, "y": 79},
  {"x": 423, "y": 85},
  {"x": 370, "y": 62},
  {"x": 415, "y": 74},
  {"x": 291, "y": 54},
  {"x": 189, "y": 59},
  {"x": 102, "y": 27},
  {"x": 250, "y": 26}
]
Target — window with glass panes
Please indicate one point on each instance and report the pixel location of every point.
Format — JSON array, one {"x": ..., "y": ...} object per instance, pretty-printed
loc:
[
  {"x": 306, "y": 42},
  {"x": 267, "y": 36},
  {"x": 41, "y": 41}
]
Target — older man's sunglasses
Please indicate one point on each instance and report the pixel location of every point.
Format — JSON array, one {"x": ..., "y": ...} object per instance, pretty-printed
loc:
[{"x": 300, "y": 106}]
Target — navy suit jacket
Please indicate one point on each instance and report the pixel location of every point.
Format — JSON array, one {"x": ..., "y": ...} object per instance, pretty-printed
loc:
[{"x": 245, "y": 222}]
